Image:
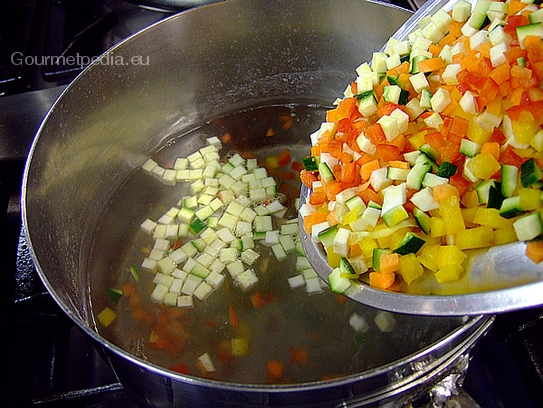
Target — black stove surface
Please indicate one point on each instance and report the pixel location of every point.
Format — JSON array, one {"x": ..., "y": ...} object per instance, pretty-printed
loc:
[{"x": 48, "y": 361}]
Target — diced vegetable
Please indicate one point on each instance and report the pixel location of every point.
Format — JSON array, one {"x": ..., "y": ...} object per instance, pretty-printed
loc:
[{"x": 448, "y": 123}]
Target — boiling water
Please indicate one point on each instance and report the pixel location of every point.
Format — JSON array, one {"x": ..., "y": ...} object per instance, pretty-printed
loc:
[{"x": 317, "y": 322}]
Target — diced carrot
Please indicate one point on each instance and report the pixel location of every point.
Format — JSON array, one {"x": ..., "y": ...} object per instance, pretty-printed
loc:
[
  {"x": 435, "y": 139},
  {"x": 284, "y": 157},
  {"x": 232, "y": 316},
  {"x": 508, "y": 156},
  {"x": 308, "y": 178},
  {"x": 314, "y": 218},
  {"x": 501, "y": 73},
  {"x": 345, "y": 109},
  {"x": 257, "y": 300},
  {"x": 180, "y": 368},
  {"x": 399, "y": 164},
  {"x": 367, "y": 195},
  {"x": 299, "y": 355},
  {"x": 389, "y": 263},
  {"x": 275, "y": 370},
  {"x": 431, "y": 64},
  {"x": 382, "y": 280},
  {"x": 460, "y": 183},
  {"x": 317, "y": 197},
  {"x": 491, "y": 147},
  {"x": 375, "y": 133},
  {"x": 332, "y": 189},
  {"x": 443, "y": 191},
  {"x": 348, "y": 173},
  {"x": 387, "y": 152},
  {"x": 226, "y": 138},
  {"x": 368, "y": 168}
]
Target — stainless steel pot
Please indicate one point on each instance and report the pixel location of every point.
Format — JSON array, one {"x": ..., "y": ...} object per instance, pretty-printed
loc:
[{"x": 164, "y": 81}]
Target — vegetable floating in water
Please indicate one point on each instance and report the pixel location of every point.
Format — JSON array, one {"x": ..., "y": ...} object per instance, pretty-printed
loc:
[{"x": 435, "y": 149}]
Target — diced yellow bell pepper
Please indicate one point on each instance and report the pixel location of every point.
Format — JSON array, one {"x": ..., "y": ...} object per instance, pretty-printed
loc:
[
  {"x": 491, "y": 217},
  {"x": 449, "y": 209},
  {"x": 479, "y": 237},
  {"x": 396, "y": 237},
  {"x": 469, "y": 214},
  {"x": 428, "y": 256},
  {"x": 449, "y": 255},
  {"x": 410, "y": 268},
  {"x": 418, "y": 140},
  {"x": 505, "y": 235},
  {"x": 333, "y": 258},
  {"x": 449, "y": 274},
  {"x": 476, "y": 133},
  {"x": 530, "y": 199},
  {"x": 437, "y": 227},
  {"x": 367, "y": 245},
  {"x": 483, "y": 166},
  {"x": 106, "y": 316},
  {"x": 350, "y": 216},
  {"x": 239, "y": 346},
  {"x": 525, "y": 127},
  {"x": 471, "y": 199}
]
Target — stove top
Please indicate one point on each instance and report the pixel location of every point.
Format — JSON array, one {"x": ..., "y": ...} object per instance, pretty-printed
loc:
[{"x": 49, "y": 361}]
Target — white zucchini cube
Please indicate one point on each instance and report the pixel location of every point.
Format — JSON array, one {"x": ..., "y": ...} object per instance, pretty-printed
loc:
[
  {"x": 176, "y": 286},
  {"x": 215, "y": 280},
  {"x": 340, "y": 245},
  {"x": 468, "y": 103},
  {"x": 358, "y": 323},
  {"x": 385, "y": 321},
  {"x": 279, "y": 252},
  {"x": 402, "y": 119},
  {"x": 296, "y": 281},
  {"x": 432, "y": 32},
  {"x": 156, "y": 254},
  {"x": 461, "y": 11},
  {"x": 148, "y": 226},
  {"x": 235, "y": 268},
  {"x": 170, "y": 299},
  {"x": 166, "y": 265},
  {"x": 249, "y": 256},
  {"x": 393, "y": 61},
  {"x": 185, "y": 302},
  {"x": 246, "y": 280},
  {"x": 190, "y": 285},
  {"x": 203, "y": 291},
  {"x": 442, "y": 20},
  {"x": 450, "y": 73},
  {"x": 159, "y": 293},
  {"x": 389, "y": 126},
  {"x": 149, "y": 264},
  {"x": 149, "y": 166},
  {"x": 217, "y": 266},
  {"x": 313, "y": 285},
  {"x": 440, "y": 100},
  {"x": 180, "y": 275},
  {"x": 424, "y": 200},
  {"x": 419, "y": 82}
]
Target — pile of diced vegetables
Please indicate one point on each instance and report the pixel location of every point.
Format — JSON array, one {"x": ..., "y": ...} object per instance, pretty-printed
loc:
[{"x": 435, "y": 149}]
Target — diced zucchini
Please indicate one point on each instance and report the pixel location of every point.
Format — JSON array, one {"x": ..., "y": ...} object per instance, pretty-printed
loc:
[
  {"x": 447, "y": 169},
  {"x": 327, "y": 236},
  {"x": 534, "y": 29},
  {"x": 422, "y": 219},
  {"x": 478, "y": 17},
  {"x": 411, "y": 243},
  {"x": 511, "y": 207},
  {"x": 528, "y": 227},
  {"x": 338, "y": 284},
  {"x": 530, "y": 173}
]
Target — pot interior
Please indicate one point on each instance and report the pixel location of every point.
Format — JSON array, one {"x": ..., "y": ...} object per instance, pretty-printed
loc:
[
  {"x": 237, "y": 67},
  {"x": 316, "y": 323}
]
